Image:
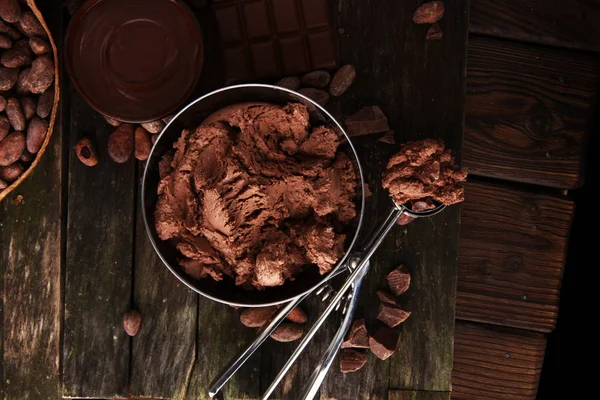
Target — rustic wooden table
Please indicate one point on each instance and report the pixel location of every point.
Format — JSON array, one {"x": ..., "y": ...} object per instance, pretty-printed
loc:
[{"x": 74, "y": 255}]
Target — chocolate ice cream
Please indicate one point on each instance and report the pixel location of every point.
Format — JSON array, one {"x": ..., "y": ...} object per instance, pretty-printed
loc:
[{"x": 257, "y": 194}]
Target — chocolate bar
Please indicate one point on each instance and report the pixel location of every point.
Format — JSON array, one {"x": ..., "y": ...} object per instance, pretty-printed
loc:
[{"x": 273, "y": 38}]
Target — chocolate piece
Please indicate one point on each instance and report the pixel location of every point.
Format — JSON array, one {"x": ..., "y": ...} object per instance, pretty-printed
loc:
[
  {"x": 357, "y": 336},
  {"x": 254, "y": 193},
  {"x": 392, "y": 315},
  {"x": 352, "y": 360},
  {"x": 367, "y": 121},
  {"x": 368, "y": 192},
  {"x": 319, "y": 96},
  {"x": 297, "y": 315},
  {"x": 424, "y": 169},
  {"x": 316, "y": 79},
  {"x": 429, "y": 13},
  {"x": 399, "y": 280},
  {"x": 389, "y": 137},
  {"x": 434, "y": 32},
  {"x": 86, "y": 152},
  {"x": 257, "y": 317},
  {"x": 384, "y": 342},
  {"x": 385, "y": 297},
  {"x": 287, "y": 332},
  {"x": 291, "y": 82},
  {"x": 263, "y": 39},
  {"x": 342, "y": 80}
]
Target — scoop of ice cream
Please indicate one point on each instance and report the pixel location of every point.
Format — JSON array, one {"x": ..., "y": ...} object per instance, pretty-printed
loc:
[
  {"x": 424, "y": 171},
  {"x": 254, "y": 193}
]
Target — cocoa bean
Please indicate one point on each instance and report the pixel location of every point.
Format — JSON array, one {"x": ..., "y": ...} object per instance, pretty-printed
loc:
[
  {"x": 112, "y": 122},
  {"x": 3, "y": 185},
  {"x": 154, "y": 126},
  {"x": 120, "y": 143},
  {"x": 36, "y": 133},
  {"x": 39, "y": 46},
  {"x": 342, "y": 80},
  {"x": 4, "y": 126},
  {"x": 41, "y": 75},
  {"x": 27, "y": 157},
  {"x": 429, "y": 13},
  {"x": 257, "y": 316},
  {"x": 22, "y": 87},
  {"x": 8, "y": 78},
  {"x": 10, "y": 10},
  {"x": 9, "y": 30},
  {"x": 29, "y": 107},
  {"x": 15, "y": 58},
  {"x": 86, "y": 152},
  {"x": 291, "y": 82},
  {"x": 15, "y": 115},
  {"x": 2, "y": 103},
  {"x": 45, "y": 103},
  {"x": 5, "y": 42},
  {"x": 287, "y": 332},
  {"x": 143, "y": 144},
  {"x": 316, "y": 79},
  {"x": 319, "y": 96},
  {"x": 131, "y": 322},
  {"x": 297, "y": 315},
  {"x": 30, "y": 25},
  {"x": 11, "y": 172},
  {"x": 11, "y": 148}
]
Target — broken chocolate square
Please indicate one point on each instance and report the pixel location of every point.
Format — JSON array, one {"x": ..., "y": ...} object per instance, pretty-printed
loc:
[
  {"x": 399, "y": 280},
  {"x": 352, "y": 360},
  {"x": 384, "y": 342},
  {"x": 385, "y": 297},
  {"x": 391, "y": 314},
  {"x": 367, "y": 121},
  {"x": 389, "y": 137},
  {"x": 357, "y": 337}
]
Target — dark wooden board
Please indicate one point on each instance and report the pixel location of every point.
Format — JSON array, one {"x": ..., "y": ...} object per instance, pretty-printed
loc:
[
  {"x": 30, "y": 270},
  {"x": 496, "y": 363},
  {"x": 511, "y": 256},
  {"x": 528, "y": 112},
  {"x": 417, "y": 395},
  {"x": 572, "y": 24},
  {"x": 98, "y": 264},
  {"x": 164, "y": 351}
]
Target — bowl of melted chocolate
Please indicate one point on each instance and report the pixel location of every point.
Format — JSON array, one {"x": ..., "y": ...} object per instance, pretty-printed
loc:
[{"x": 136, "y": 60}]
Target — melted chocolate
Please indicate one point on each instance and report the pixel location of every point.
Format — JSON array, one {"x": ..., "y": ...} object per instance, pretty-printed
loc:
[{"x": 134, "y": 60}]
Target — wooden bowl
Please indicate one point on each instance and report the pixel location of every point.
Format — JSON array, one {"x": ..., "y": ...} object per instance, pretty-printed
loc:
[{"x": 51, "y": 122}]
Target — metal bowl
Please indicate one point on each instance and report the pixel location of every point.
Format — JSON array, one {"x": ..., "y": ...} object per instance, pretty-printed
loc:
[{"x": 191, "y": 116}]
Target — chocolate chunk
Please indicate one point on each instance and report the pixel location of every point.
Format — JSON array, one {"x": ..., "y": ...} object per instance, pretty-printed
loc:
[
  {"x": 297, "y": 315},
  {"x": 399, "y": 280},
  {"x": 291, "y": 82},
  {"x": 391, "y": 314},
  {"x": 367, "y": 121},
  {"x": 384, "y": 342},
  {"x": 263, "y": 39},
  {"x": 368, "y": 192},
  {"x": 357, "y": 336},
  {"x": 316, "y": 79},
  {"x": 287, "y": 332},
  {"x": 352, "y": 360},
  {"x": 342, "y": 80},
  {"x": 434, "y": 32},
  {"x": 319, "y": 96},
  {"x": 429, "y": 12},
  {"x": 257, "y": 317},
  {"x": 389, "y": 137},
  {"x": 385, "y": 297}
]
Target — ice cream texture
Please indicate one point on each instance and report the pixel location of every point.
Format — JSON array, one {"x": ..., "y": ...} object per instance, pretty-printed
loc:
[{"x": 257, "y": 194}]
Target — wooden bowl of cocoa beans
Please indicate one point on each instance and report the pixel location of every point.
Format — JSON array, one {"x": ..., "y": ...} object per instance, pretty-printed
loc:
[{"x": 29, "y": 91}]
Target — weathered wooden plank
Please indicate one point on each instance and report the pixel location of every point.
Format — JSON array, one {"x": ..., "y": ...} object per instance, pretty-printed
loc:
[
  {"x": 572, "y": 24},
  {"x": 496, "y": 363},
  {"x": 98, "y": 264},
  {"x": 417, "y": 395},
  {"x": 511, "y": 256},
  {"x": 164, "y": 351},
  {"x": 528, "y": 112},
  {"x": 30, "y": 269}
]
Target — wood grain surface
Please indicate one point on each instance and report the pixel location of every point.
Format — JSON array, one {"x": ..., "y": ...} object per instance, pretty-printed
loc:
[
  {"x": 164, "y": 351},
  {"x": 572, "y": 24},
  {"x": 528, "y": 112},
  {"x": 496, "y": 363},
  {"x": 511, "y": 256},
  {"x": 417, "y": 395},
  {"x": 98, "y": 264}
]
